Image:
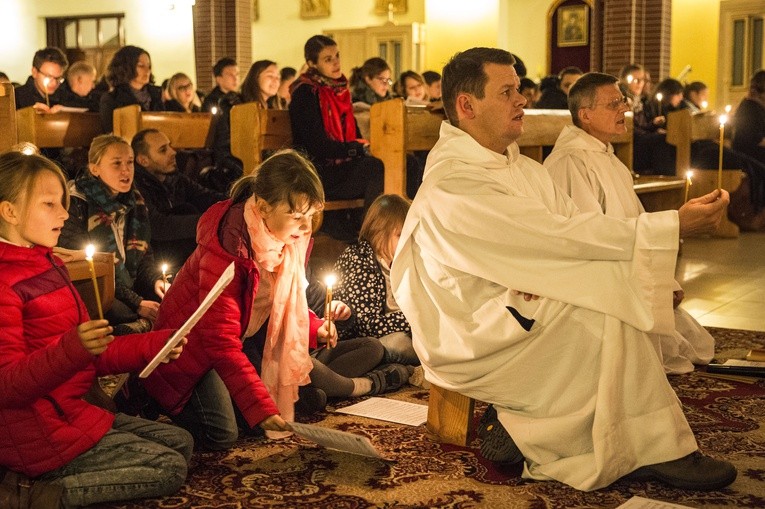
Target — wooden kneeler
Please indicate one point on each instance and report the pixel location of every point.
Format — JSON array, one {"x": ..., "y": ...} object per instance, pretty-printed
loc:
[{"x": 450, "y": 416}]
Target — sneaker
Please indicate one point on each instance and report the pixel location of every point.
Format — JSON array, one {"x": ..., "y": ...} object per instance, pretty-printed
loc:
[
  {"x": 496, "y": 443},
  {"x": 388, "y": 378},
  {"x": 310, "y": 400},
  {"x": 692, "y": 472}
]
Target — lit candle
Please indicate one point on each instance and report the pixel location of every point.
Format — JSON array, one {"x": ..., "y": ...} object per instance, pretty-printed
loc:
[
  {"x": 723, "y": 119},
  {"x": 688, "y": 183},
  {"x": 214, "y": 110},
  {"x": 727, "y": 109},
  {"x": 90, "y": 250},
  {"x": 659, "y": 97},
  {"x": 630, "y": 79},
  {"x": 164, "y": 277},
  {"x": 46, "y": 80},
  {"x": 704, "y": 105},
  {"x": 329, "y": 281}
]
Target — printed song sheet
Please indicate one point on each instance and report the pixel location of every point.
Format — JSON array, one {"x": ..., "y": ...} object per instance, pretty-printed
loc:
[
  {"x": 220, "y": 285},
  {"x": 647, "y": 503},
  {"x": 391, "y": 410},
  {"x": 338, "y": 440}
]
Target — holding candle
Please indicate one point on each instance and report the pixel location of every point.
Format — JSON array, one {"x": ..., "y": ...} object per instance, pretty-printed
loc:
[
  {"x": 659, "y": 97},
  {"x": 90, "y": 250},
  {"x": 723, "y": 120},
  {"x": 688, "y": 183},
  {"x": 46, "y": 80},
  {"x": 329, "y": 281},
  {"x": 164, "y": 278}
]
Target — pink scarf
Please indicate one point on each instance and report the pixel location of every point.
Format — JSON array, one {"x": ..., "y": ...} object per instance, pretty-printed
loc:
[{"x": 286, "y": 362}]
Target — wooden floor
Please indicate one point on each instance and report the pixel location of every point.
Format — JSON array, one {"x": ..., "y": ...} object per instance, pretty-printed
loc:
[{"x": 724, "y": 281}]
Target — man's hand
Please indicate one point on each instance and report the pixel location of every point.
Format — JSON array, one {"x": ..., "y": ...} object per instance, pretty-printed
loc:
[
  {"x": 703, "y": 214},
  {"x": 526, "y": 296}
]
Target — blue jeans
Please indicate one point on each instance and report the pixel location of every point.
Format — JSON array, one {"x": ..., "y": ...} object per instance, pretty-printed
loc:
[
  {"x": 399, "y": 349},
  {"x": 209, "y": 414},
  {"x": 135, "y": 459}
]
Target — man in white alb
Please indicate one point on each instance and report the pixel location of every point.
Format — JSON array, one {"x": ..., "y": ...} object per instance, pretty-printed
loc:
[
  {"x": 572, "y": 375},
  {"x": 584, "y": 166}
]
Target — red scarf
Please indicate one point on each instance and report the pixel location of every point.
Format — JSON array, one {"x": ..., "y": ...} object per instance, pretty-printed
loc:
[{"x": 334, "y": 102}]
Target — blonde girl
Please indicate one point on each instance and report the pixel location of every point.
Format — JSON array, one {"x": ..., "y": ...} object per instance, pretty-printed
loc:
[
  {"x": 183, "y": 95},
  {"x": 108, "y": 212},
  {"x": 50, "y": 354}
]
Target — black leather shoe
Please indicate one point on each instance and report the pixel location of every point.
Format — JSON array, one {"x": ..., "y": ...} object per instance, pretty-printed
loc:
[
  {"x": 692, "y": 472},
  {"x": 496, "y": 443}
]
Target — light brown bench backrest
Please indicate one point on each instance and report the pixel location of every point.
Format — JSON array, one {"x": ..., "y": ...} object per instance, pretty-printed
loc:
[
  {"x": 8, "y": 135},
  {"x": 56, "y": 130},
  {"x": 254, "y": 129},
  {"x": 683, "y": 128},
  {"x": 79, "y": 272},
  {"x": 184, "y": 130}
]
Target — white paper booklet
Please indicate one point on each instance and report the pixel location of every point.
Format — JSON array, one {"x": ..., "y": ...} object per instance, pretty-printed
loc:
[
  {"x": 647, "y": 503},
  {"x": 391, "y": 410},
  {"x": 338, "y": 440},
  {"x": 220, "y": 285}
]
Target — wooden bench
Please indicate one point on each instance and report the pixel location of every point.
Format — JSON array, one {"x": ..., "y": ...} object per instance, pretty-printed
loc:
[
  {"x": 683, "y": 128},
  {"x": 57, "y": 130},
  {"x": 8, "y": 135},
  {"x": 184, "y": 130},
  {"x": 256, "y": 131}
]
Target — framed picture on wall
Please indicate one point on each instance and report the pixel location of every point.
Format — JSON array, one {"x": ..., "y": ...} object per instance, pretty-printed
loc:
[
  {"x": 314, "y": 9},
  {"x": 573, "y": 25},
  {"x": 399, "y": 6}
]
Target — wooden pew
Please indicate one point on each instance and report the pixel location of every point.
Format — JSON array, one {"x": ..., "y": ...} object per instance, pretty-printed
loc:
[
  {"x": 8, "y": 135},
  {"x": 184, "y": 130},
  {"x": 683, "y": 128},
  {"x": 79, "y": 272},
  {"x": 255, "y": 131},
  {"x": 57, "y": 130}
]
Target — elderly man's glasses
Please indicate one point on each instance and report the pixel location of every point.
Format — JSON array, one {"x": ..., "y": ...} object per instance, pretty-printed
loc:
[
  {"x": 58, "y": 79},
  {"x": 612, "y": 105}
]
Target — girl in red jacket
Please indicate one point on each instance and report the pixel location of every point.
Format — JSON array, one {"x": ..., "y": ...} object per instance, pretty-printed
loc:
[
  {"x": 51, "y": 352},
  {"x": 265, "y": 230}
]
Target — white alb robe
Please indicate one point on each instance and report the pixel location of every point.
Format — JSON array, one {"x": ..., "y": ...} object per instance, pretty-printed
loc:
[
  {"x": 591, "y": 174},
  {"x": 582, "y": 392}
]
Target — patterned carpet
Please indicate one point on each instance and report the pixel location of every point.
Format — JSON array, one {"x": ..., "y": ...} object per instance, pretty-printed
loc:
[{"x": 726, "y": 417}]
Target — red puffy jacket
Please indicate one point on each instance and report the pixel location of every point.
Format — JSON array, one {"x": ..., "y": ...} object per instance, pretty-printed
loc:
[
  {"x": 44, "y": 369},
  {"x": 216, "y": 340}
]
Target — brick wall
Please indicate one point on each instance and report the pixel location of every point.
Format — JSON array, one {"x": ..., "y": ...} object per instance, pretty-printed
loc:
[
  {"x": 637, "y": 31},
  {"x": 222, "y": 28}
]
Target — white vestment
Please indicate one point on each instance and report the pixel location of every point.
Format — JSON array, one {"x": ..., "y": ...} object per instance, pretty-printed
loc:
[
  {"x": 591, "y": 174},
  {"x": 581, "y": 390}
]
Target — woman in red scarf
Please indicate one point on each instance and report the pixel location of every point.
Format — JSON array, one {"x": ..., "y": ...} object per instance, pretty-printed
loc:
[{"x": 323, "y": 127}]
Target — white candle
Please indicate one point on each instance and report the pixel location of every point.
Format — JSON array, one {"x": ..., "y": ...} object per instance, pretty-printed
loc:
[
  {"x": 688, "y": 183},
  {"x": 46, "y": 80},
  {"x": 329, "y": 281},
  {"x": 90, "y": 250},
  {"x": 164, "y": 277},
  {"x": 723, "y": 119},
  {"x": 659, "y": 97}
]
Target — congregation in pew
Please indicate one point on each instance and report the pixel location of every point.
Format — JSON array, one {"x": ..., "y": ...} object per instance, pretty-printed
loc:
[{"x": 174, "y": 208}]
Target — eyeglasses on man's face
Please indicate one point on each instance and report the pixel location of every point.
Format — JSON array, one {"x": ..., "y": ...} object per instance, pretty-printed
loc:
[
  {"x": 57, "y": 79},
  {"x": 612, "y": 105},
  {"x": 384, "y": 80}
]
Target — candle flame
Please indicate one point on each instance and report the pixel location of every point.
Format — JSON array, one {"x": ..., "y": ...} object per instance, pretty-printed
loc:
[
  {"x": 164, "y": 268},
  {"x": 46, "y": 81},
  {"x": 704, "y": 105},
  {"x": 90, "y": 250},
  {"x": 659, "y": 96},
  {"x": 214, "y": 110},
  {"x": 688, "y": 176},
  {"x": 630, "y": 78},
  {"x": 330, "y": 280},
  {"x": 723, "y": 120},
  {"x": 727, "y": 108}
]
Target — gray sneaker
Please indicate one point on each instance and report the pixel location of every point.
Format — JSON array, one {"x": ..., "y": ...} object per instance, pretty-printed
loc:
[{"x": 692, "y": 472}]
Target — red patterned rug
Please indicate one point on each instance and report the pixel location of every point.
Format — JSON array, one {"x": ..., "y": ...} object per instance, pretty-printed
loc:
[{"x": 725, "y": 415}]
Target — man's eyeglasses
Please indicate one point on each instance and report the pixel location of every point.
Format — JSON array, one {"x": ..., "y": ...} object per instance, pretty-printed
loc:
[
  {"x": 612, "y": 105},
  {"x": 386, "y": 81},
  {"x": 58, "y": 79}
]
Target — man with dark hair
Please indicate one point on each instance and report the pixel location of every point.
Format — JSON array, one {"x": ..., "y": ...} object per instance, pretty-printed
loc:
[
  {"x": 517, "y": 299},
  {"x": 226, "y": 73},
  {"x": 584, "y": 166},
  {"x": 556, "y": 98},
  {"x": 40, "y": 90},
  {"x": 433, "y": 82},
  {"x": 175, "y": 202}
]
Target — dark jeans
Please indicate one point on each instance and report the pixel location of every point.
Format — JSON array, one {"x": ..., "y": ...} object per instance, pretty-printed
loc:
[{"x": 135, "y": 459}]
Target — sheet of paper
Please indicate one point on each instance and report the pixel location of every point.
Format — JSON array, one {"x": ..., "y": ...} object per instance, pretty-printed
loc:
[
  {"x": 220, "y": 285},
  {"x": 739, "y": 362},
  {"x": 338, "y": 440},
  {"x": 72, "y": 109},
  {"x": 391, "y": 410},
  {"x": 647, "y": 503}
]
